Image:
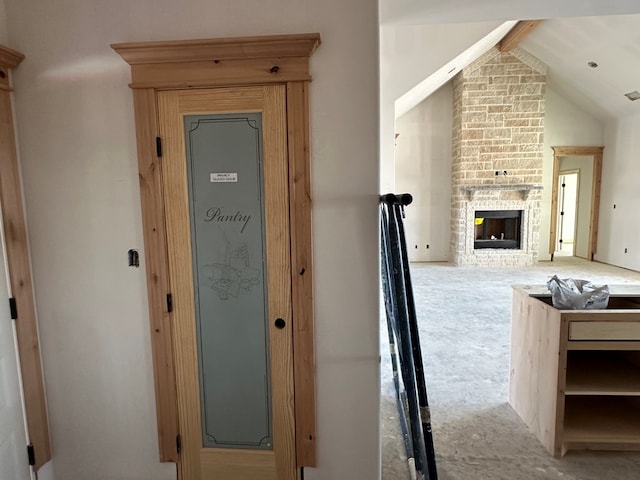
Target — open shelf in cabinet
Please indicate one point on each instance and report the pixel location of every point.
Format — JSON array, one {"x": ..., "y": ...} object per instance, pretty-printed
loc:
[
  {"x": 603, "y": 372},
  {"x": 601, "y": 420}
]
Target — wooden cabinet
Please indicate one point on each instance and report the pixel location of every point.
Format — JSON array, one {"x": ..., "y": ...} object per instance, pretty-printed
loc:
[{"x": 575, "y": 374}]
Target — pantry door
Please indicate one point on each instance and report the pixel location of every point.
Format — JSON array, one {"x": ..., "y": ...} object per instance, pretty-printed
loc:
[{"x": 225, "y": 180}]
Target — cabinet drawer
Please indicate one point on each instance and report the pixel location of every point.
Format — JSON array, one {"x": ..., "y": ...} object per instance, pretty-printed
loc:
[{"x": 604, "y": 331}]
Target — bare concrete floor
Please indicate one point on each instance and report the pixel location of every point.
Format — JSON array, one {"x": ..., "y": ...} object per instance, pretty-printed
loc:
[{"x": 464, "y": 316}]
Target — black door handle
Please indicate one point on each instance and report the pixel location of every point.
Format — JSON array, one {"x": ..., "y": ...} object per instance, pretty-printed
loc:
[{"x": 280, "y": 323}]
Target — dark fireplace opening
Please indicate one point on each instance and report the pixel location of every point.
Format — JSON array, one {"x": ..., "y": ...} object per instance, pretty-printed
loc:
[{"x": 498, "y": 229}]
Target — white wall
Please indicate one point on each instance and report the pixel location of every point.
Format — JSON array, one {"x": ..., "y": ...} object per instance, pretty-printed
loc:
[
  {"x": 584, "y": 165},
  {"x": 75, "y": 119},
  {"x": 408, "y": 55},
  {"x": 423, "y": 168},
  {"x": 619, "y": 226},
  {"x": 4, "y": 37},
  {"x": 565, "y": 124}
]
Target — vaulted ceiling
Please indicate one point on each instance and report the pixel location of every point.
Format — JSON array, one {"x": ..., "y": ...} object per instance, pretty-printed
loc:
[
  {"x": 413, "y": 12},
  {"x": 571, "y": 47}
]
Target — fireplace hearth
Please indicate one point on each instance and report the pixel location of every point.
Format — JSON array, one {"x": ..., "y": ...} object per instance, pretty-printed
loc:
[{"x": 498, "y": 229}]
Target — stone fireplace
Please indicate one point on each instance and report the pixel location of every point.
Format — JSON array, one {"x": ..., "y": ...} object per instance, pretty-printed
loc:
[{"x": 498, "y": 128}]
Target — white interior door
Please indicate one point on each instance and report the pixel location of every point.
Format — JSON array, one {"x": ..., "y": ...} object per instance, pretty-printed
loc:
[{"x": 14, "y": 464}]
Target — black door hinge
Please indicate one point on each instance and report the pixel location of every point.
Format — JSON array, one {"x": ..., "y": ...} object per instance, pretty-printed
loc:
[
  {"x": 13, "y": 308},
  {"x": 31, "y": 455},
  {"x": 169, "y": 303},
  {"x": 178, "y": 444},
  {"x": 158, "y": 147}
]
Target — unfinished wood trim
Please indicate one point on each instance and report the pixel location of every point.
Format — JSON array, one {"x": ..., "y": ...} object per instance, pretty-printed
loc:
[
  {"x": 297, "y": 45},
  {"x": 576, "y": 151},
  {"x": 10, "y": 58},
  {"x": 155, "y": 246},
  {"x": 600, "y": 345},
  {"x": 277, "y": 227},
  {"x": 18, "y": 260},
  {"x": 179, "y": 255},
  {"x": 219, "y": 62},
  {"x": 301, "y": 264},
  {"x": 220, "y": 73},
  {"x": 595, "y": 205},
  {"x": 518, "y": 33},
  {"x": 229, "y": 62},
  {"x": 553, "y": 227}
]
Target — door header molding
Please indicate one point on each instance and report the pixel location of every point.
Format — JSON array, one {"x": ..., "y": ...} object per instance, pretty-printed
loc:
[
  {"x": 576, "y": 151},
  {"x": 10, "y": 58},
  {"x": 219, "y": 61}
]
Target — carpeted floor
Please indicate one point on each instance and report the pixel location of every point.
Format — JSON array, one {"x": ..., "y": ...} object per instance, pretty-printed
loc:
[{"x": 464, "y": 316}]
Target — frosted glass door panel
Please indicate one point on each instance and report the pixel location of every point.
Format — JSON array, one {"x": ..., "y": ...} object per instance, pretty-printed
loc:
[{"x": 224, "y": 157}]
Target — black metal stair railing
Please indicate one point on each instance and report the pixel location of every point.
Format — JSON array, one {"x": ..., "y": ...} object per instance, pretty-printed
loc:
[{"x": 404, "y": 339}]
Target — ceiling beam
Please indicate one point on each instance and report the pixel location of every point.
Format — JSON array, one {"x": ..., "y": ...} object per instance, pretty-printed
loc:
[{"x": 517, "y": 34}]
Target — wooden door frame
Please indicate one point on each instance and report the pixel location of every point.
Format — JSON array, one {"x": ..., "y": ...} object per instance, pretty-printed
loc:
[
  {"x": 596, "y": 154},
  {"x": 176, "y": 65},
  {"x": 19, "y": 266}
]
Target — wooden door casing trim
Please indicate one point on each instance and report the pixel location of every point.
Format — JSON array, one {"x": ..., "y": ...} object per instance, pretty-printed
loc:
[
  {"x": 157, "y": 273},
  {"x": 302, "y": 270},
  {"x": 219, "y": 62},
  {"x": 192, "y": 64},
  {"x": 18, "y": 259},
  {"x": 596, "y": 153}
]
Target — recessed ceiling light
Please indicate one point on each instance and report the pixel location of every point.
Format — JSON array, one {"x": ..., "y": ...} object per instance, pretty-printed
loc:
[
  {"x": 633, "y": 96},
  {"x": 592, "y": 64}
]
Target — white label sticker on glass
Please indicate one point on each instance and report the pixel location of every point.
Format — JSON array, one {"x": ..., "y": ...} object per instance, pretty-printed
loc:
[{"x": 223, "y": 177}]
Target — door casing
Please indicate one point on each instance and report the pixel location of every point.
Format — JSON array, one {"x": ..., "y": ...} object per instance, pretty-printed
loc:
[
  {"x": 208, "y": 63},
  {"x": 596, "y": 154}
]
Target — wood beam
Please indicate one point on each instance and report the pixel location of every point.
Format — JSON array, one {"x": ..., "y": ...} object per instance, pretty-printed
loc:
[{"x": 517, "y": 34}]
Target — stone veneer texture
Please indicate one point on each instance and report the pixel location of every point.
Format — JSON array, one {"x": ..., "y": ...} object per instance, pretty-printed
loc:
[{"x": 498, "y": 127}]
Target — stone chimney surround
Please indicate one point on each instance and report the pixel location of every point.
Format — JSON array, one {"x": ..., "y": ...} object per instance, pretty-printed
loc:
[{"x": 498, "y": 135}]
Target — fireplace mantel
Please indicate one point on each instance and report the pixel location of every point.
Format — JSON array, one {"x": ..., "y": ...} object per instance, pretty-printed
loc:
[{"x": 524, "y": 189}]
